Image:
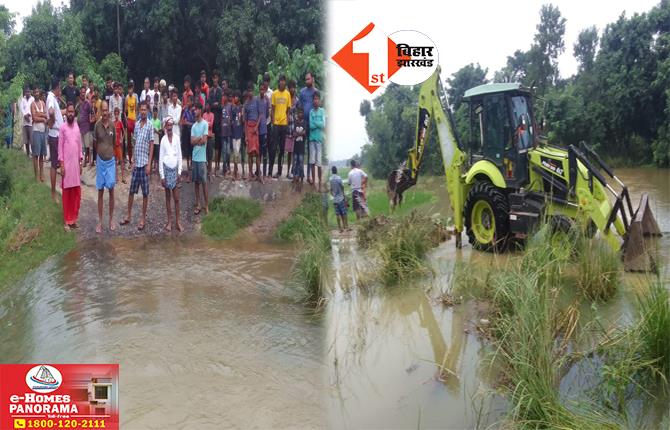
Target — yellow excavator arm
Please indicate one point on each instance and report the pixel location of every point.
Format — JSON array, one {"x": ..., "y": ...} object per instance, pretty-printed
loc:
[{"x": 433, "y": 109}]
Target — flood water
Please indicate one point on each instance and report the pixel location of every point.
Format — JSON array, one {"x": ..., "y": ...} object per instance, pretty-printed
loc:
[{"x": 208, "y": 336}]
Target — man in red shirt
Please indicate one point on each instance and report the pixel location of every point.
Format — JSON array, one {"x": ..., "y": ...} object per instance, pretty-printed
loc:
[{"x": 203, "y": 83}]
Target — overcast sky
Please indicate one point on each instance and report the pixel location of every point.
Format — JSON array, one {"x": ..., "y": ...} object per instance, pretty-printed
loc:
[
  {"x": 483, "y": 32},
  {"x": 475, "y": 31}
]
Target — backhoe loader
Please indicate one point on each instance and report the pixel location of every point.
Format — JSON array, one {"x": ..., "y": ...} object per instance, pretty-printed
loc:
[{"x": 507, "y": 179}]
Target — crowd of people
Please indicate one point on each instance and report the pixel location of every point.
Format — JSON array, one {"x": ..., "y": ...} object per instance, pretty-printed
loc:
[{"x": 207, "y": 129}]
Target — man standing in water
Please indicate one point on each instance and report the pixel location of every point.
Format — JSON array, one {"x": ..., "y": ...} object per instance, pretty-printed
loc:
[
  {"x": 70, "y": 158},
  {"x": 104, "y": 138},
  {"x": 143, "y": 154},
  {"x": 169, "y": 167}
]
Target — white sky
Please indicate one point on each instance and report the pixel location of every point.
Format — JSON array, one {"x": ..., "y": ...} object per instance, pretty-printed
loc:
[{"x": 483, "y": 31}]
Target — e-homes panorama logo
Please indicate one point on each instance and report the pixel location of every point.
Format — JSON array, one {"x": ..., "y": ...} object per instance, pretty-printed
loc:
[
  {"x": 44, "y": 378},
  {"x": 372, "y": 58}
]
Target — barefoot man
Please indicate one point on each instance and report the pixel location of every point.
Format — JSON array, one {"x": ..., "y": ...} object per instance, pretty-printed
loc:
[
  {"x": 104, "y": 138},
  {"x": 169, "y": 167},
  {"x": 70, "y": 158},
  {"x": 143, "y": 153}
]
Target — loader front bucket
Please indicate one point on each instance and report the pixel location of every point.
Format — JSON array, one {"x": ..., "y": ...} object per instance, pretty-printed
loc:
[{"x": 639, "y": 253}]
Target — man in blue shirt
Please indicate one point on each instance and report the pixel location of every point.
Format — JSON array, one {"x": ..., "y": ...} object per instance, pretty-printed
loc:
[
  {"x": 317, "y": 119},
  {"x": 199, "y": 132}
]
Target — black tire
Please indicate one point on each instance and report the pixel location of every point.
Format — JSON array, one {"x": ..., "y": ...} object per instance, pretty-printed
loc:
[{"x": 497, "y": 200}]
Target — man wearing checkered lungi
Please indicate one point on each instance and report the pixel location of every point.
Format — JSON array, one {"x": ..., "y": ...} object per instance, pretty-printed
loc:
[{"x": 143, "y": 154}]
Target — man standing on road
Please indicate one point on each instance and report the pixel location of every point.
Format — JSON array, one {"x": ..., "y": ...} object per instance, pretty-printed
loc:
[
  {"x": 39, "y": 139},
  {"x": 143, "y": 154},
  {"x": 317, "y": 120},
  {"x": 70, "y": 91},
  {"x": 70, "y": 158},
  {"x": 109, "y": 90},
  {"x": 306, "y": 97},
  {"x": 214, "y": 98},
  {"x": 199, "y": 132},
  {"x": 104, "y": 138},
  {"x": 84, "y": 121},
  {"x": 131, "y": 115},
  {"x": 27, "y": 101},
  {"x": 169, "y": 167},
  {"x": 55, "y": 122},
  {"x": 281, "y": 102}
]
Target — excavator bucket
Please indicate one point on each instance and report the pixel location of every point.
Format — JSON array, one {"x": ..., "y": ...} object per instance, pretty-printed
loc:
[{"x": 638, "y": 251}]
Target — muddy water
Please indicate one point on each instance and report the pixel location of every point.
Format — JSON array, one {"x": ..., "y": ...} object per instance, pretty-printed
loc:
[
  {"x": 206, "y": 335},
  {"x": 403, "y": 360}
]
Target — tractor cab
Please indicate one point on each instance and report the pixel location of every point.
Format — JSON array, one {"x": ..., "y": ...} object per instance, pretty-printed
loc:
[{"x": 502, "y": 129}]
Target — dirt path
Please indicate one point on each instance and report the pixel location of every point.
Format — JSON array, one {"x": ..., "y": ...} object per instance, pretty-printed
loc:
[{"x": 276, "y": 195}]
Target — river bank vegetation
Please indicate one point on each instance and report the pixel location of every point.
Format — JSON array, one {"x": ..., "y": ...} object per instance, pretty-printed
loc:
[
  {"x": 228, "y": 216},
  {"x": 31, "y": 227},
  {"x": 307, "y": 226},
  {"x": 618, "y": 101}
]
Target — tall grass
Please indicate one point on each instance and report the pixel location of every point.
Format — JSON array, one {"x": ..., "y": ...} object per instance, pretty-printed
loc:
[
  {"x": 530, "y": 336},
  {"x": 227, "y": 216},
  {"x": 403, "y": 249},
  {"x": 300, "y": 225},
  {"x": 31, "y": 225},
  {"x": 307, "y": 226},
  {"x": 653, "y": 329},
  {"x": 599, "y": 268}
]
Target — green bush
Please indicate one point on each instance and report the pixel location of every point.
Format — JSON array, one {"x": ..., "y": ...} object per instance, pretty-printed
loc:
[{"x": 227, "y": 216}]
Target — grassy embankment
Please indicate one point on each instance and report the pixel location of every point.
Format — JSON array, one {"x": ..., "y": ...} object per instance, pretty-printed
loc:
[
  {"x": 228, "y": 216},
  {"x": 31, "y": 225}
]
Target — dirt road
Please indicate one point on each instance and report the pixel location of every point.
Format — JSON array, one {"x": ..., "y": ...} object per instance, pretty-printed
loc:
[{"x": 276, "y": 195}]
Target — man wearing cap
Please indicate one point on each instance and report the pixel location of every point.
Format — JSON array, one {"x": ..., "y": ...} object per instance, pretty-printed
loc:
[
  {"x": 169, "y": 168},
  {"x": 104, "y": 137},
  {"x": 144, "y": 151}
]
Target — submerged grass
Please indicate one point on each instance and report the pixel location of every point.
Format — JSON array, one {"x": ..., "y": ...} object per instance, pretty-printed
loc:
[
  {"x": 31, "y": 225},
  {"x": 307, "y": 226},
  {"x": 599, "y": 268},
  {"x": 401, "y": 245},
  {"x": 227, "y": 216},
  {"x": 653, "y": 329},
  {"x": 530, "y": 335}
]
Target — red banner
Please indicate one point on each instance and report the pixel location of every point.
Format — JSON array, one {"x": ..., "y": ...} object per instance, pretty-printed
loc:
[{"x": 59, "y": 396}]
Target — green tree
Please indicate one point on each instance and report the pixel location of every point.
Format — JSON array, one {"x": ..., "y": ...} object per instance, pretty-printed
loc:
[
  {"x": 465, "y": 78},
  {"x": 585, "y": 48},
  {"x": 113, "y": 66},
  {"x": 295, "y": 65},
  {"x": 548, "y": 45}
]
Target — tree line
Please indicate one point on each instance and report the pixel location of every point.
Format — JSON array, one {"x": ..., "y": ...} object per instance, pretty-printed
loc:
[
  {"x": 125, "y": 39},
  {"x": 618, "y": 101}
]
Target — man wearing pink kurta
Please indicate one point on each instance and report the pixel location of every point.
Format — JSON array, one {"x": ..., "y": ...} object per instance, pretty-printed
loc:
[{"x": 70, "y": 158}]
